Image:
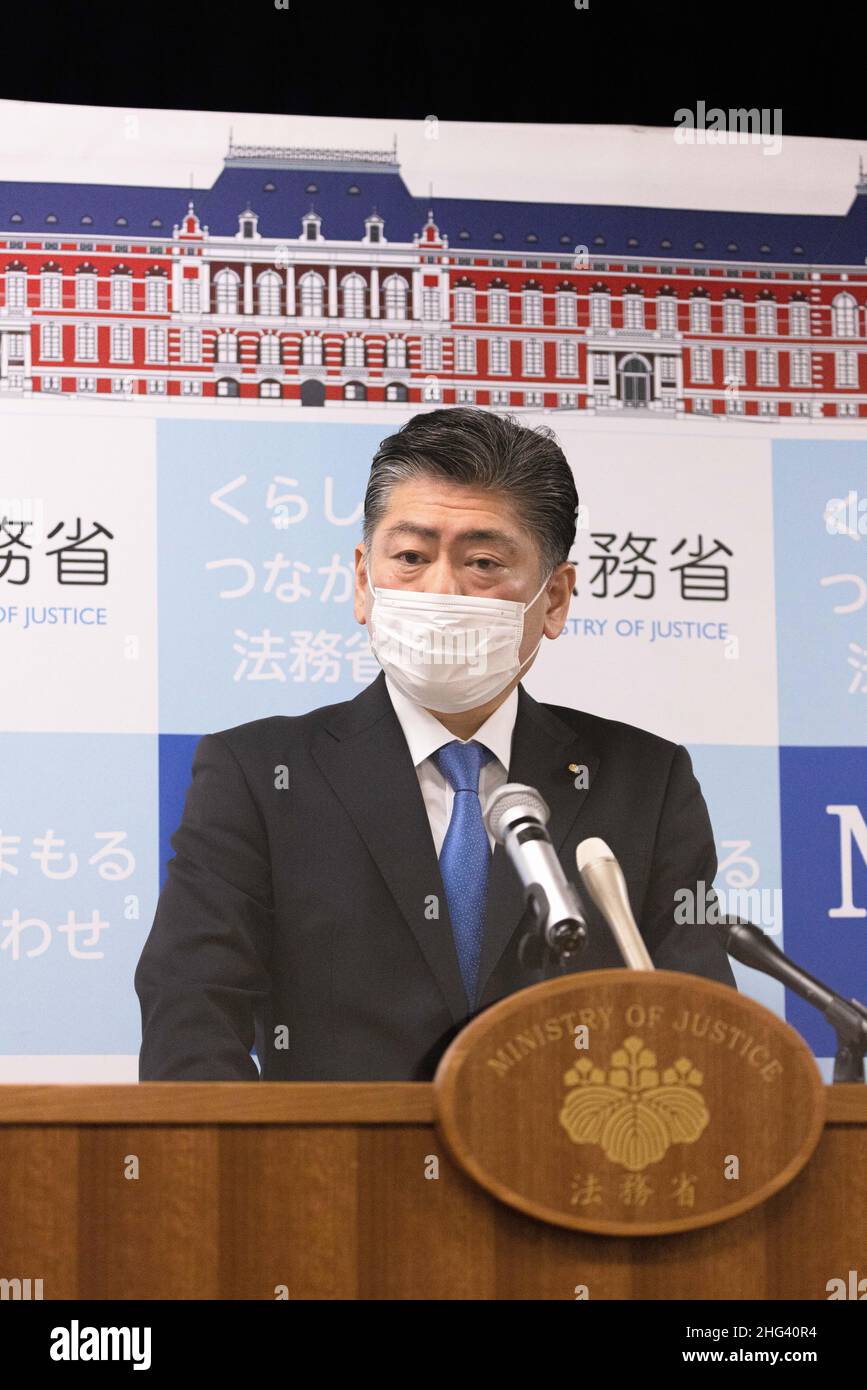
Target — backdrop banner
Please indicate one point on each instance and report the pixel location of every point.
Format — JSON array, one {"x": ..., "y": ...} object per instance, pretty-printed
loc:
[{"x": 193, "y": 381}]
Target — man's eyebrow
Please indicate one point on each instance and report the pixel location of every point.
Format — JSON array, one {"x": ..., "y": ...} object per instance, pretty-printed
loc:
[{"x": 430, "y": 533}]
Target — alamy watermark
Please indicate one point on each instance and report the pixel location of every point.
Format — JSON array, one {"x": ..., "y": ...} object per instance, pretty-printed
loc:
[
  {"x": 737, "y": 126},
  {"x": 708, "y": 906},
  {"x": 459, "y": 647},
  {"x": 846, "y": 516}
]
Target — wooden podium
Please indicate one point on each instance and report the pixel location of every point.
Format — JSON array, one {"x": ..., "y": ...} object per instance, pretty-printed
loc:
[{"x": 504, "y": 1179}]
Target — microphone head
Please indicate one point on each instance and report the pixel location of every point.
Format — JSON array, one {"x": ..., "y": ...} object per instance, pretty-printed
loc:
[
  {"x": 510, "y": 803},
  {"x": 590, "y": 850}
]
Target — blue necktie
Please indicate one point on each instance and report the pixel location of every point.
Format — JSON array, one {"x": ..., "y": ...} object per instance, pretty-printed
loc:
[{"x": 466, "y": 854}]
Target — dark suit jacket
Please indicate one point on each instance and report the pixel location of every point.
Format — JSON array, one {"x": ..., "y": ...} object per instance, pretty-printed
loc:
[{"x": 304, "y": 907}]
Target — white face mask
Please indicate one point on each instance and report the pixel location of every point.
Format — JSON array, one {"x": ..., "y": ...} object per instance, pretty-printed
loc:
[{"x": 448, "y": 652}]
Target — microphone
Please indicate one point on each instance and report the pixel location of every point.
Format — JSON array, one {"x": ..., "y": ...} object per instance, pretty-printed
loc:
[
  {"x": 751, "y": 946},
  {"x": 848, "y": 1017},
  {"x": 603, "y": 878},
  {"x": 517, "y": 817}
]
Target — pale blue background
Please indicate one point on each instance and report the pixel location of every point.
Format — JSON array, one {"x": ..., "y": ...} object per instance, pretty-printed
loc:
[
  {"x": 741, "y": 788},
  {"x": 197, "y": 692},
  {"x": 812, "y": 640},
  {"x": 76, "y": 785}
]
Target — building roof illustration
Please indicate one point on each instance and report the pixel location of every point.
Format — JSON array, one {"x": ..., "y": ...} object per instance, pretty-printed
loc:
[{"x": 345, "y": 187}]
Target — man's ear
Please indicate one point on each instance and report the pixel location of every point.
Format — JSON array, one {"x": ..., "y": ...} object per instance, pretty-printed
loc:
[
  {"x": 565, "y": 577},
  {"x": 360, "y": 600}
]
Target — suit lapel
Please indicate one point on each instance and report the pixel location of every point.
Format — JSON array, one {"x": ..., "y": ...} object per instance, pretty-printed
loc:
[
  {"x": 543, "y": 746},
  {"x": 363, "y": 753}
]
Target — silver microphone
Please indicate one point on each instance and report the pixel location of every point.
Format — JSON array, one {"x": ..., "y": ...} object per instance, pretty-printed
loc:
[
  {"x": 517, "y": 817},
  {"x": 603, "y": 878}
]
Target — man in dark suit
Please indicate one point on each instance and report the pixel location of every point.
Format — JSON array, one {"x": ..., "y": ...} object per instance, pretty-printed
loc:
[{"x": 334, "y": 898}]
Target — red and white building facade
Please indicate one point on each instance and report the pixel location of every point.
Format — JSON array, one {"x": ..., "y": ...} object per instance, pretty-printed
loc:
[{"x": 313, "y": 321}]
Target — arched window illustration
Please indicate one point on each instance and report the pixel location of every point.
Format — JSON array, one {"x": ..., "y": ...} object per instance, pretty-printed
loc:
[
  {"x": 844, "y": 312},
  {"x": 312, "y": 292},
  {"x": 395, "y": 289},
  {"x": 227, "y": 284},
  {"x": 269, "y": 285},
  {"x": 311, "y": 350},
  {"x": 353, "y": 296}
]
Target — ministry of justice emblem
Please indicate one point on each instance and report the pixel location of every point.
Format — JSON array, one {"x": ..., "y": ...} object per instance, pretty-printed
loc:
[{"x": 632, "y": 1115}]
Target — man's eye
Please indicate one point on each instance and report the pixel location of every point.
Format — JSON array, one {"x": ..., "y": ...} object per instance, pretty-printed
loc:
[{"x": 403, "y": 553}]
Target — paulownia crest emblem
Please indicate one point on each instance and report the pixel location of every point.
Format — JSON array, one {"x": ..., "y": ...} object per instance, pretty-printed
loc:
[{"x": 633, "y": 1115}]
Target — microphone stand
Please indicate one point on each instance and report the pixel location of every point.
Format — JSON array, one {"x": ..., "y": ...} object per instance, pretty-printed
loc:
[{"x": 851, "y": 1047}]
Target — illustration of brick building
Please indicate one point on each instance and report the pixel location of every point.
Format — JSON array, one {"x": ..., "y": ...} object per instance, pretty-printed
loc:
[{"x": 313, "y": 276}]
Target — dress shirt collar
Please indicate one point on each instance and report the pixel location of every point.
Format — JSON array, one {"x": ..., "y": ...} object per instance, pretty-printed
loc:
[{"x": 425, "y": 734}]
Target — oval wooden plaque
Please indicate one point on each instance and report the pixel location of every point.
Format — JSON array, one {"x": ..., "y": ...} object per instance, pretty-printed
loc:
[{"x": 630, "y": 1102}]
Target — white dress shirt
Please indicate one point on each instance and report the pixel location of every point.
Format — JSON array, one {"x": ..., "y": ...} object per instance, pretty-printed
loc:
[{"x": 425, "y": 734}]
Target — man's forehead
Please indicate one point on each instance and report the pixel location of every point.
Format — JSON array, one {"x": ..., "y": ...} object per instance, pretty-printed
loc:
[
  {"x": 409, "y": 510},
  {"x": 407, "y": 526}
]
